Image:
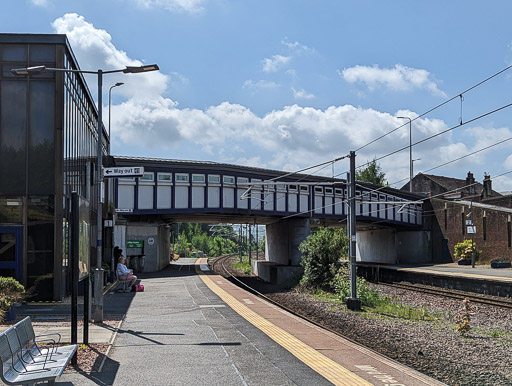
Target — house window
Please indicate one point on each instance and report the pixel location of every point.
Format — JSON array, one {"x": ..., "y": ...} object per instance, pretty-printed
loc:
[
  {"x": 292, "y": 188},
  {"x": 198, "y": 178},
  {"x": 318, "y": 190},
  {"x": 182, "y": 177},
  {"x": 328, "y": 190},
  {"x": 214, "y": 179},
  {"x": 165, "y": 177},
  {"x": 228, "y": 179},
  {"x": 147, "y": 177},
  {"x": 242, "y": 180}
]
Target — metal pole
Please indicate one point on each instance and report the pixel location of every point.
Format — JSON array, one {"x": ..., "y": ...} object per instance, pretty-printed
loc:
[
  {"x": 98, "y": 274},
  {"x": 86, "y": 310},
  {"x": 250, "y": 243},
  {"x": 240, "y": 243},
  {"x": 353, "y": 303},
  {"x": 472, "y": 236},
  {"x": 410, "y": 154},
  {"x": 74, "y": 248},
  {"x": 257, "y": 243}
]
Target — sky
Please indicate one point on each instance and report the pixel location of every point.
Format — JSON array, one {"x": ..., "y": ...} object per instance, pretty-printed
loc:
[{"x": 287, "y": 84}]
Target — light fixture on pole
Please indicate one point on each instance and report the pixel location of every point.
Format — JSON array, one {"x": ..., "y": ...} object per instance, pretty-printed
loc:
[
  {"x": 98, "y": 274},
  {"x": 410, "y": 152},
  {"x": 110, "y": 104}
]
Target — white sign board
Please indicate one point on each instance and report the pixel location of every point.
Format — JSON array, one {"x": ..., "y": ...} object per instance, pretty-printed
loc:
[
  {"x": 469, "y": 222},
  {"x": 124, "y": 210},
  {"x": 471, "y": 230},
  {"x": 126, "y": 171}
]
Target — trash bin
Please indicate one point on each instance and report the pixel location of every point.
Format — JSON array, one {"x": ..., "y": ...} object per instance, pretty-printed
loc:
[{"x": 142, "y": 262}]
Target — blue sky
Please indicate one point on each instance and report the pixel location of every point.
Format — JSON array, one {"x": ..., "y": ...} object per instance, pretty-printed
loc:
[{"x": 288, "y": 84}]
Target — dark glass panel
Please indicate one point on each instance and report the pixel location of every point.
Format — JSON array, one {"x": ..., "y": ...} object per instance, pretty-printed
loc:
[
  {"x": 12, "y": 137},
  {"x": 11, "y": 210},
  {"x": 7, "y": 247},
  {"x": 14, "y": 53},
  {"x": 42, "y": 53},
  {"x": 41, "y": 156},
  {"x": 40, "y": 247},
  {"x": 40, "y": 208}
]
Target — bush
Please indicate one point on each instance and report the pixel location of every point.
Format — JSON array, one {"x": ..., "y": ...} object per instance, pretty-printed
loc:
[
  {"x": 321, "y": 255},
  {"x": 341, "y": 284},
  {"x": 10, "y": 292},
  {"x": 463, "y": 250}
]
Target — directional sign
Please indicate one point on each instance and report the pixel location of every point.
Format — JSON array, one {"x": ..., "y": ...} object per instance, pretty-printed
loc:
[
  {"x": 126, "y": 171},
  {"x": 471, "y": 230}
]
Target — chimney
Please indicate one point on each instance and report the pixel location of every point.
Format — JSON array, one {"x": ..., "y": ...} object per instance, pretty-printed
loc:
[
  {"x": 470, "y": 183},
  {"x": 487, "y": 192}
]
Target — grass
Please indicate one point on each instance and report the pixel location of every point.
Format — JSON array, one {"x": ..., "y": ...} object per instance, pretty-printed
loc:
[
  {"x": 243, "y": 266},
  {"x": 384, "y": 306}
]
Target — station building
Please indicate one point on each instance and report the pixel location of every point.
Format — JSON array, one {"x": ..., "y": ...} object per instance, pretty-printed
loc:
[{"x": 48, "y": 149}]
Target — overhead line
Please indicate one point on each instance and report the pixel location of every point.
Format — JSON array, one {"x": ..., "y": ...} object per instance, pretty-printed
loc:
[{"x": 436, "y": 107}]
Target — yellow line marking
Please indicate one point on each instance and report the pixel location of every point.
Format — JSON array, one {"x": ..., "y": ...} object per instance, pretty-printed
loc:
[
  {"x": 326, "y": 367},
  {"x": 460, "y": 274}
]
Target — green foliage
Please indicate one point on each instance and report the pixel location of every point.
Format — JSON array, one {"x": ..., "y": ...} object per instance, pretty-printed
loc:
[
  {"x": 341, "y": 284},
  {"x": 321, "y": 255},
  {"x": 10, "y": 292},
  {"x": 244, "y": 265},
  {"x": 197, "y": 237},
  {"x": 462, "y": 251},
  {"x": 372, "y": 173}
]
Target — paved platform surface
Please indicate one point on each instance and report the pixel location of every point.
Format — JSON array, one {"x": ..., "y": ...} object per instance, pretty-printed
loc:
[
  {"x": 479, "y": 272},
  {"x": 196, "y": 328}
]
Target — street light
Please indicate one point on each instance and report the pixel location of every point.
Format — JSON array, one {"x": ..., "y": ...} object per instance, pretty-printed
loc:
[
  {"x": 110, "y": 103},
  {"x": 98, "y": 274},
  {"x": 410, "y": 152}
]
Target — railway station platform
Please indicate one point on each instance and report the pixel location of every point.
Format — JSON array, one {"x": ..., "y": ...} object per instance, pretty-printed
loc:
[
  {"x": 193, "y": 327},
  {"x": 481, "y": 279}
]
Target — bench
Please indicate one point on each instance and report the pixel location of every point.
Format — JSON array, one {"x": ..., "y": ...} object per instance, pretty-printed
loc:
[
  {"x": 24, "y": 359},
  {"x": 123, "y": 285}
]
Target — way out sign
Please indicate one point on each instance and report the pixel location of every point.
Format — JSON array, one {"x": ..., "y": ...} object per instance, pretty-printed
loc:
[{"x": 126, "y": 171}]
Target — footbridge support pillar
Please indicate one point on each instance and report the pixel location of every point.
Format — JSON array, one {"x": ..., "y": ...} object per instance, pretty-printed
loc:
[{"x": 282, "y": 256}]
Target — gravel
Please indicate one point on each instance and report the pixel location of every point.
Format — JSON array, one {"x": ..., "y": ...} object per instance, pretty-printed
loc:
[{"x": 482, "y": 357}]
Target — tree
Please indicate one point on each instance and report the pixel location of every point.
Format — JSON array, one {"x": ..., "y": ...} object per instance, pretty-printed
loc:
[{"x": 372, "y": 173}]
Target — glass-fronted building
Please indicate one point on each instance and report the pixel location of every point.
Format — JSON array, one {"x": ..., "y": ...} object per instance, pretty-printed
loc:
[{"x": 48, "y": 145}]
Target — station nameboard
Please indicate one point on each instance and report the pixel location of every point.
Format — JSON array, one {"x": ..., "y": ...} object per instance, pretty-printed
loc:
[
  {"x": 127, "y": 171},
  {"x": 134, "y": 243}
]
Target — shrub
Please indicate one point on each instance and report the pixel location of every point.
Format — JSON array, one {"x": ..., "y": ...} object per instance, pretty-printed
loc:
[
  {"x": 463, "y": 321},
  {"x": 462, "y": 251},
  {"x": 10, "y": 292},
  {"x": 321, "y": 255},
  {"x": 341, "y": 284}
]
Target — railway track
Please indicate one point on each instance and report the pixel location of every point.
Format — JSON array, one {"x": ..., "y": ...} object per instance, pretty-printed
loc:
[{"x": 476, "y": 298}]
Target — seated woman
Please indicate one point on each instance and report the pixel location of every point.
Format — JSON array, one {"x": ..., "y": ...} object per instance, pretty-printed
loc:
[{"x": 123, "y": 273}]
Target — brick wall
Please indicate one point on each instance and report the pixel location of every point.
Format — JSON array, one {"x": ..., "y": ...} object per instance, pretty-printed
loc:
[{"x": 447, "y": 221}]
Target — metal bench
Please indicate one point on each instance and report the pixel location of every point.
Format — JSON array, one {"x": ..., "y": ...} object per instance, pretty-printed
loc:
[
  {"x": 122, "y": 285},
  {"x": 25, "y": 361}
]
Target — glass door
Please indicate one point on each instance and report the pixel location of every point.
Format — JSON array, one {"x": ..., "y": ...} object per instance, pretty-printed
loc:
[{"x": 11, "y": 252}]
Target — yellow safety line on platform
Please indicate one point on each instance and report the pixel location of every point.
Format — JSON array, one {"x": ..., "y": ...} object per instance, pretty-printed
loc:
[
  {"x": 326, "y": 367},
  {"x": 459, "y": 274}
]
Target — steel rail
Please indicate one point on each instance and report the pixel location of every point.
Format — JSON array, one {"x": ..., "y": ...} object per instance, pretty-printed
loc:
[{"x": 482, "y": 299}]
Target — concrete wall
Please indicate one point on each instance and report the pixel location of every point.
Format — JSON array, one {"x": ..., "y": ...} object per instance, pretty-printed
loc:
[
  {"x": 282, "y": 240},
  {"x": 156, "y": 244},
  {"x": 386, "y": 246},
  {"x": 413, "y": 247},
  {"x": 376, "y": 246}
]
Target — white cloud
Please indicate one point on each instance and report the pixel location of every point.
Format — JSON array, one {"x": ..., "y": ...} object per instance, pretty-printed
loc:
[
  {"x": 260, "y": 84},
  {"x": 296, "y": 46},
  {"x": 286, "y": 138},
  {"x": 94, "y": 49},
  {"x": 275, "y": 63},
  {"x": 179, "y": 6},
  {"x": 398, "y": 78},
  {"x": 302, "y": 94},
  {"x": 40, "y": 3}
]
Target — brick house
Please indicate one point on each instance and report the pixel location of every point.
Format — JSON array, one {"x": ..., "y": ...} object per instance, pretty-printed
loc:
[{"x": 452, "y": 202}]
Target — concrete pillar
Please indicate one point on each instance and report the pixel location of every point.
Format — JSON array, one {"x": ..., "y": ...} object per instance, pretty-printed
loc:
[{"x": 282, "y": 240}]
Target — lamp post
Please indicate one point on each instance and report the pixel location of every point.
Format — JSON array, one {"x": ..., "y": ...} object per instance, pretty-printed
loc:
[
  {"x": 110, "y": 104},
  {"x": 410, "y": 152},
  {"x": 98, "y": 274}
]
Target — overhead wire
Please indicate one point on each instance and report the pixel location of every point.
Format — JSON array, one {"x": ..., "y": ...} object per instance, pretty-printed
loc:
[{"x": 459, "y": 95}]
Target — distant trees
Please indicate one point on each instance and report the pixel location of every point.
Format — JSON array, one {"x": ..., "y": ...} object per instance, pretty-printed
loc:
[{"x": 372, "y": 173}]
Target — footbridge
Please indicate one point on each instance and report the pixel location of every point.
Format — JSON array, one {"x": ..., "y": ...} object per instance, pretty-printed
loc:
[{"x": 288, "y": 204}]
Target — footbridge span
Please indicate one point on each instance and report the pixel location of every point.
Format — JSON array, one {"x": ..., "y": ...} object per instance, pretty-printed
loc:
[{"x": 197, "y": 191}]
